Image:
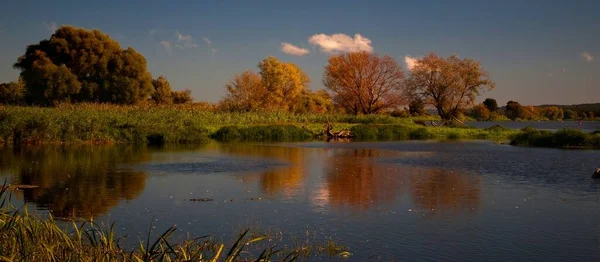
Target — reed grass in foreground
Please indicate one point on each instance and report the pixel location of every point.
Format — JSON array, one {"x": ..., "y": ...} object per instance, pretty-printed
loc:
[
  {"x": 565, "y": 138},
  {"x": 25, "y": 237}
]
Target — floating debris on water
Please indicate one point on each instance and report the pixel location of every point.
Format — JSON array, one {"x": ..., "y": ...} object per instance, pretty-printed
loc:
[{"x": 202, "y": 199}]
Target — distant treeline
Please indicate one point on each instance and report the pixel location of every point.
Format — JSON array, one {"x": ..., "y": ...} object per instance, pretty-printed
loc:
[{"x": 488, "y": 110}]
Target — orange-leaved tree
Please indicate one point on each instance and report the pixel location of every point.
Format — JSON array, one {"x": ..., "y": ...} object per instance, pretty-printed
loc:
[{"x": 364, "y": 83}]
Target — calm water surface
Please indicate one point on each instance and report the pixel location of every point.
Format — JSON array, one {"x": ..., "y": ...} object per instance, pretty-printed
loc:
[{"x": 416, "y": 201}]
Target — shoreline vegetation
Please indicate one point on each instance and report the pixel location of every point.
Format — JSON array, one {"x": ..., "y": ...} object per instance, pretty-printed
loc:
[
  {"x": 33, "y": 237},
  {"x": 196, "y": 124},
  {"x": 192, "y": 124}
]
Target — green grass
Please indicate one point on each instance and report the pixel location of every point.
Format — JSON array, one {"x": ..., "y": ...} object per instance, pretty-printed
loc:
[
  {"x": 262, "y": 133},
  {"x": 414, "y": 132},
  {"x": 27, "y": 237},
  {"x": 565, "y": 138},
  {"x": 152, "y": 124}
]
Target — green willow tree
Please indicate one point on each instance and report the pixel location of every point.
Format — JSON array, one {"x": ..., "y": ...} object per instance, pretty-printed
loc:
[{"x": 79, "y": 65}]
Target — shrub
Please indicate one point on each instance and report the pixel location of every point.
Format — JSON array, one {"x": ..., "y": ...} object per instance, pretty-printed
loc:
[
  {"x": 262, "y": 133},
  {"x": 496, "y": 128},
  {"x": 420, "y": 134},
  {"x": 453, "y": 136},
  {"x": 565, "y": 138}
]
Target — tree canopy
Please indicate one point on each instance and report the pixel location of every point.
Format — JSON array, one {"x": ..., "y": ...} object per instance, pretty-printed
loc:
[
  {"x": 278, "y": 86},
  {"x": 284, "y": 82},
  {"x": 77, "y": 65},
  {"x": 364, "y": 83},
  {"x": 245, "y": 92},
  {"x": 12, "y": 93},
  {"x": 162, "y": 91},
  {"x": 448, "y": 84},
  {"x": 491, "y": 104}
]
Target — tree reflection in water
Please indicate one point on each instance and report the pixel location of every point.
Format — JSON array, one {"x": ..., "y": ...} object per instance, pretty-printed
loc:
[
  {"x": 354, "y": 179},
  {"x": 287, "y": 180},
  {"x": 357, "y": 178},
  {"x": 76, "y": 181}
]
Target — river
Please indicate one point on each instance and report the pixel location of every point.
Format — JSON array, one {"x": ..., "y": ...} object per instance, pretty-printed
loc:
[{"x": 415, "y": 201}]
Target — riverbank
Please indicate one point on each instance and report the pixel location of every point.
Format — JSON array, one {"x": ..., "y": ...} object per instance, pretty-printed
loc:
[
  {"x": 105, "y": 124},
  {"x": 565, "y": 138}
]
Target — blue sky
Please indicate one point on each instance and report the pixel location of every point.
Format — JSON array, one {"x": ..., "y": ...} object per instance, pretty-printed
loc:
[{"x": 538, "y": 52}]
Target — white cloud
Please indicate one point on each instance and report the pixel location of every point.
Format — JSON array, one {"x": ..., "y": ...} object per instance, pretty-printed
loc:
[
  {"x": 185, "y": 41},
  {"x": 166, "y": 45},
  {"x": 587, "y": 56},
  {"x": 341, "y": 43},
  {"x": 293, "y": 50},
  {"x": 209, "y": 44},
  {"x": 207, "y": 41},
  {"x": 411, "y": 62},
  {"x": 183, "y": 38},
  {"x": 50, "y": 26}
]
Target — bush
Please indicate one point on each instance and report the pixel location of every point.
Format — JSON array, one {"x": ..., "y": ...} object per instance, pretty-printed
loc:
[
  {"x": 453, "y": 136},
  {"x": 496, "y": 128},
  {"x": 380, "y": 132},
  {"x": 565, "y": 138},
  {"x": 420, "y": 134},
  {"x": 271, "y": 133}
]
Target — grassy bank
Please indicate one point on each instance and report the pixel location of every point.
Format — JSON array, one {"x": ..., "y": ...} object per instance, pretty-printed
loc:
[
  {"x": 565, "y": 138},
  {"x": 96, "y": 123},
  {"x": 26, "y": 237},
  {"x": 414, "y": 132}
]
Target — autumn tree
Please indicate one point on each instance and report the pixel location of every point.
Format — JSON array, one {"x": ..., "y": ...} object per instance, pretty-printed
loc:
[
  {"x": 481, "y": 112},
  {"x": 491, "y": 104},
  {"x": 182, "y": 97},
  {"x": 513, "y": 110},
  {"x": 284, "y": 82},
  {"x": 448, "y": 84},
  {"x": 552, "y": 112},
  {"x": 162, "y": 91},
  {"x": 245, "y": 92},
  {"x": 76, "y": 65},
  {"x": 363, "y": 82},
  {"x": 570, "y": 114},
  {"x": 314, "y": 102},
  {"x": 12, "y": 93},
  {"x": 416, "y": 108}
]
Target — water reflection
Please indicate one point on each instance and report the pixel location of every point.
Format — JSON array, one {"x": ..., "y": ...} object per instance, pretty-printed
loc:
[
  {"x": 354, "y": 178},
  {"x": 439, "y": 189},
  {"x": 76, "y": 181},
  {"x": 80, "y": 181},
  {"x": 287, "y": 180}
]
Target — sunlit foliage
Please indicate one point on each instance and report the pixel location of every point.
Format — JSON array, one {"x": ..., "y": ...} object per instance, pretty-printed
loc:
[
  {"x": 77, "y": 64},
  {"x": 364, "y": 83},
  {"x": 448, "y": 84}
]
